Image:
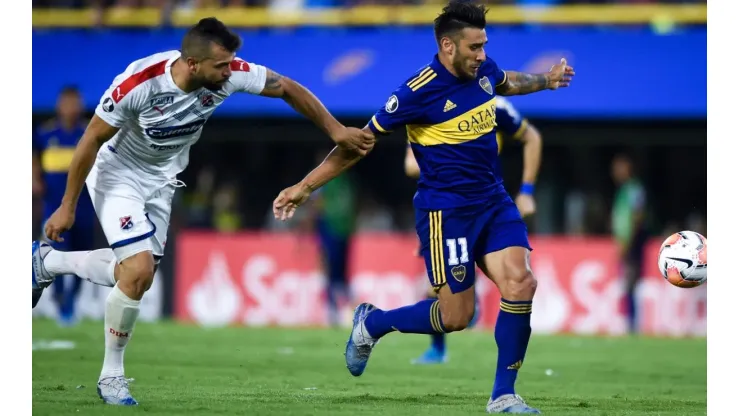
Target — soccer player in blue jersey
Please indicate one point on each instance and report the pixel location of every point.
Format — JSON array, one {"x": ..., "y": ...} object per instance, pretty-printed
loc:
[
  {"x": 54, "y": 143},
  {"x": 464, "y": 216},
  {"x": 509, "y": 123}
]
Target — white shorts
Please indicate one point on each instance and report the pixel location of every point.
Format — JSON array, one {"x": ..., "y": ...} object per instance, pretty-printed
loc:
[{"x": 134, "y": 214}]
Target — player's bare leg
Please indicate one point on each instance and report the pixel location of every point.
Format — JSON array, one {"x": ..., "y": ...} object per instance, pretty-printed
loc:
[
  {"x": 509, "y": 270},
  {"x": 437, "y": 351}
]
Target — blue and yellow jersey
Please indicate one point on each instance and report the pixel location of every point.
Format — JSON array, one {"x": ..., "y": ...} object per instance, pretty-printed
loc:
[
  {"x": 55, "y": 147},
  {"x": 451, "y": 127}
]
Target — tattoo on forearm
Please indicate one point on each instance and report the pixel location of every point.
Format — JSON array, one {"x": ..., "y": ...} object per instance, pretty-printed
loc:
[
  {"x": 523, "y": 83},
  {"x": 273, "y": 80}
]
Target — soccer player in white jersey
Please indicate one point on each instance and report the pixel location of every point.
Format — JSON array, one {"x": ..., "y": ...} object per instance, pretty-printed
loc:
[{"x": 129, "y": 156}]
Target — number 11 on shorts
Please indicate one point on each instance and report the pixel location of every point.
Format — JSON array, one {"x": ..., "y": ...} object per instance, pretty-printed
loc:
[{"x": 453, "y": 259}]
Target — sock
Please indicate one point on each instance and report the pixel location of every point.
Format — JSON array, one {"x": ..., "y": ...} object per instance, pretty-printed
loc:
[
  {"x": 438, "y": 338},
  {"x": 512, "y": 337},
  {"x": 120, "y": 316},
  {"x": 421, "y": 318},
  {"x": 95, "y": 266}
]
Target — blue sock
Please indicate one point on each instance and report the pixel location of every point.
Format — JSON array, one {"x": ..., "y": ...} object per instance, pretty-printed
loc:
[
  {"x": 439, "y": 338},
  {"x": 512, "y": 337},
  {"x": 421, "y": 318}
]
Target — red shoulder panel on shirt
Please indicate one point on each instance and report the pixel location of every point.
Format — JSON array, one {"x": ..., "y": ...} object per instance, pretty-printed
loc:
[
  {"x": 138, "y": 78},
  {"x": 239, "y": 65}
]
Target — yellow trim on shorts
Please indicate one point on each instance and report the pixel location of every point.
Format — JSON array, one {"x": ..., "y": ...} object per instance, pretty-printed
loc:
[{"x": 436, "y": 243}]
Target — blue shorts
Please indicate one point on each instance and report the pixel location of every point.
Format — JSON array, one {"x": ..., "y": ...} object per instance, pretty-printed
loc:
[{"x": 453, "y": 239}]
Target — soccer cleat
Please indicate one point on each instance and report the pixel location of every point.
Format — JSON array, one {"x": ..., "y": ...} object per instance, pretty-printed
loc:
[
  {"x": 509, "y": 403},
  {"x": 431, "y": 356},
  {"x": 114, "y": 390},
  {"x": 359, "y": 344},
  {"x": 40, "y": 278}
]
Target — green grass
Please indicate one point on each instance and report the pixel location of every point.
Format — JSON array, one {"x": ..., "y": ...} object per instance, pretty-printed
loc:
[{"x": 183, "y": 369}]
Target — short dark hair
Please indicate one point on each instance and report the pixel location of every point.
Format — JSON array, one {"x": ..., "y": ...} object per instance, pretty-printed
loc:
[
  {"x": 458, "y": 15},
  {"x": 69, "y": 89},
  {"x": 198, "y": 39}
]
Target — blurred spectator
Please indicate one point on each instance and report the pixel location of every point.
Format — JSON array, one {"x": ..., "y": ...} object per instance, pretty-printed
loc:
[
  {"x": 226, "y": 214},
  {"x": 333, "y": 215},
  {"x": 628, "y": 227}
]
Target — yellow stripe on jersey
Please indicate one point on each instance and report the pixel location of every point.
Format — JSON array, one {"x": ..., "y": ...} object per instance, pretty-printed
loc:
[
  {"x": 378, "y": 126},
  {"x": 470, "y": 125},
  {"x": 426, "y": 71},
  {"x": 57, "y": 159},
  {"x": 506, "y": 78},
  {"x": 436, "y": 248},
  {"x": 424, "y": 81}
]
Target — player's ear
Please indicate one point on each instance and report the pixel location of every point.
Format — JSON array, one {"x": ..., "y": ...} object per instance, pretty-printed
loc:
[
  {"x": 192, "y": 64},
  {"x": 447, "y": 45}
]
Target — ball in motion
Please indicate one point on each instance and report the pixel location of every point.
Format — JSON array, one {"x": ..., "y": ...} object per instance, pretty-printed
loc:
[{"x": 683, "y": 259}]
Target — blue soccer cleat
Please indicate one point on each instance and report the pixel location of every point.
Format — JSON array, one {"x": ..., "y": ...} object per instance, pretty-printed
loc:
[
  {"x": 114, "y": 390},
  {"x": 40, "y": 278},
  {"x": 360, "y": 344},
  {"x": 431, "y": 356},
  {"x": 510, "y": 403}
]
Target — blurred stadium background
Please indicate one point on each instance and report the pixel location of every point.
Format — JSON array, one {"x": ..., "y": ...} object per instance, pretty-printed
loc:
[{"x": 640, "y": 88}]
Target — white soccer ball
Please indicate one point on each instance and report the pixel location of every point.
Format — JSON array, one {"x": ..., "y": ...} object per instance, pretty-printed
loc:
[{"x": 683, "y": 259}]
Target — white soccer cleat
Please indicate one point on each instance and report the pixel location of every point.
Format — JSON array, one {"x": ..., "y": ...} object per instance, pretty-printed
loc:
[
  {"x": 40, "y": 277},
  {"x": 114, "y": 390},
  {"x": 509, "y": 403}
]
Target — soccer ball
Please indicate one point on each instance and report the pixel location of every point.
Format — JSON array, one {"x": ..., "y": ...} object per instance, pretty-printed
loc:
[{"x": 683, "y": 259}]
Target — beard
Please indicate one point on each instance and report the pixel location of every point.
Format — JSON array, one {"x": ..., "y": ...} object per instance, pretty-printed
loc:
[
  {"x": 213, "y": 87},
  {"x": 463, "y": 70}
]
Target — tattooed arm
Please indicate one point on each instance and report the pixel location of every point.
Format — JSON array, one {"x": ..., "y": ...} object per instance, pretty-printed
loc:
[
  {"x": 305, "y": 102},
  {"x": 520, "y": 83}
]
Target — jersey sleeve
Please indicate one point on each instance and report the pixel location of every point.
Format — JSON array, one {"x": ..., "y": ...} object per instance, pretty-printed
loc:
[
  {"x": 508, "y": 119},
  {"x": 247, "y": 77},
  {"x": 401, "y": 108},
  {"x": 120, "y": 104},
  {"x": 497, "y": 73}
]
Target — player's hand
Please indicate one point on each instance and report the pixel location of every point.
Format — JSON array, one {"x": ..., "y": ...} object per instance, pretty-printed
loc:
[
  {"x": 354, "y": 140},
  {"x": 288, "y": 200},
  {"x": 526, "y": 205},
  {"x": 60, "y": 221},
  {"x": 560, "y": 75}
]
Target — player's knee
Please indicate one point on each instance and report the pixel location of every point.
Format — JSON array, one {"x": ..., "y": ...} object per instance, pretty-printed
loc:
[
  {"x": 458, "y": 318},
  {"x": 520, "y": 282},
  {"x": 137, "y": 274}
]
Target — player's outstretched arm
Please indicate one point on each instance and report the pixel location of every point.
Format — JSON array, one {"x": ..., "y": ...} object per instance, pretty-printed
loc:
[
  {"x": 338, "y": 161},
  {"x": 97, "y": 133},
  {"x": 520, "y": 83},
  {"x": 307, "y": 104}
]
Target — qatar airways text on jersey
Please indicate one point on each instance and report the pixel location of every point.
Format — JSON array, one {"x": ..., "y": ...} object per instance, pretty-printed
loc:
[{"x": 158, "y": 121}]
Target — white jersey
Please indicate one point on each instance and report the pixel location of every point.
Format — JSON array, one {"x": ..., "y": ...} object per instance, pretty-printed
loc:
[{"x": 158, "y": 121}]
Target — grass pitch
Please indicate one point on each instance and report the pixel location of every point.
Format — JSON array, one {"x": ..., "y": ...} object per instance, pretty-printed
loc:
[{"x": 179, "y": 369}]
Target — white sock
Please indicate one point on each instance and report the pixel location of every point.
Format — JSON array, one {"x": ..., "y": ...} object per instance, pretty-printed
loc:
[
  {"x": 95, "y": 266},
  {"x": 120, "y": 316}
]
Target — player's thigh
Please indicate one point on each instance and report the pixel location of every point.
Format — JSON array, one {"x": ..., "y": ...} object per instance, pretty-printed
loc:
[
  {"x": 503, "y": 250},
  {"x": 158, "y": 210},
  {"x": 127, "y": 228}
]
